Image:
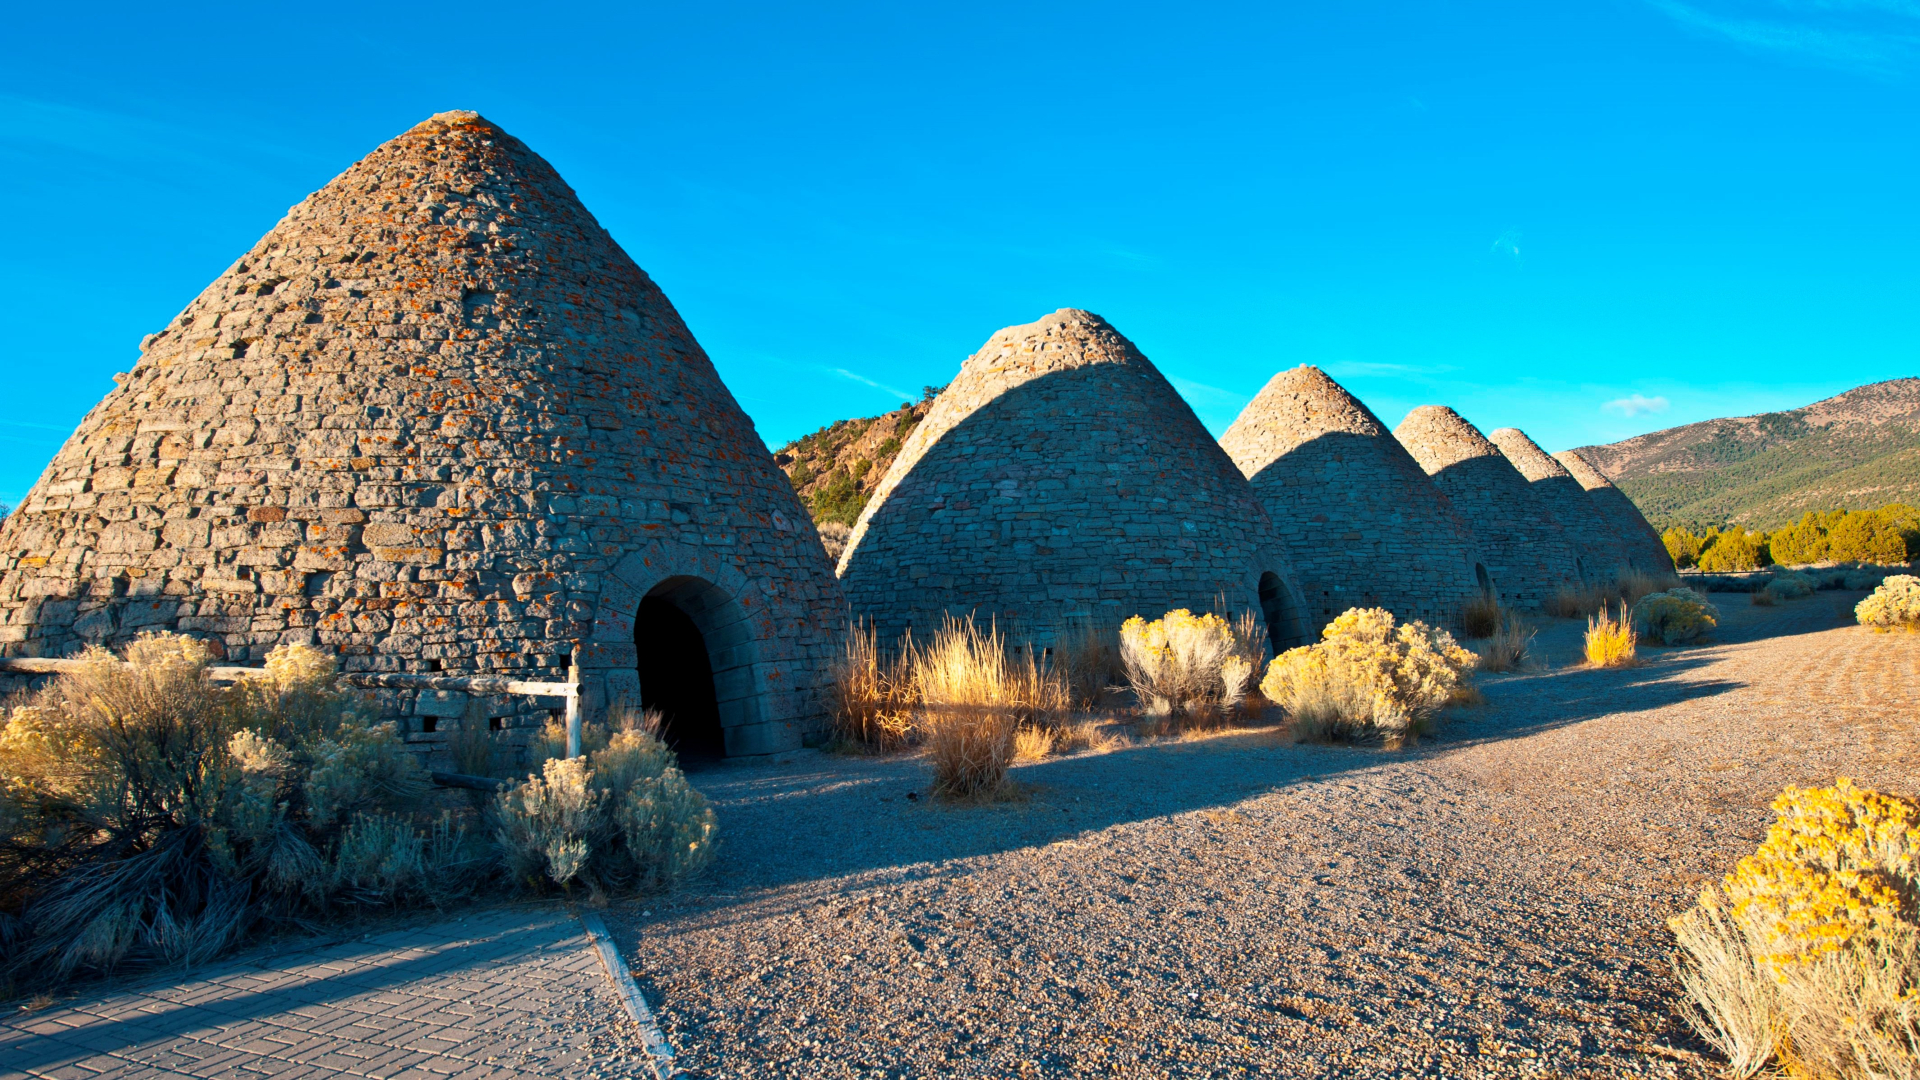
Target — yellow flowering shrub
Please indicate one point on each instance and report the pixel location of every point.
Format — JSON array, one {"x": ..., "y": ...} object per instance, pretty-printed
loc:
[
  {"x": 1896, "y": 602},
  {"x": 1837, "y": 861},
  {"x": 1808, "y": 953},
  {"x": 1183, "y": 661},
  {"x": 1675, "y": 617},
  {"x": 1368, "y": 677}
]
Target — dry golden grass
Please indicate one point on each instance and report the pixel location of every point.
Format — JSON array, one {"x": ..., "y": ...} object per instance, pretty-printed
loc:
[
  {"x": 1087, "y": 655},
  {"x": 1510, "y": 647},
  {"x": 974, "y": 696},
  {"x": 1762, "y": 598},
  {"x": 874, "y": 695},
  {"x": 1481, "y": 617},
  {"x": 1611, "y": 641},
  {"x": 1632, "y": 585},
  {"x": 1568, "y": 602},
  {"x": 1032, "y": 743}
]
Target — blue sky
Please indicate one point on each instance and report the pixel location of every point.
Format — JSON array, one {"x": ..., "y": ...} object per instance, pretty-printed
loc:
[{"x": 1586, "y": 219}]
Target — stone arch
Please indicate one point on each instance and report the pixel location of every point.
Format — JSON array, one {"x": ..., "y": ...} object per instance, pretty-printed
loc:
[
  {"x": 695, "y": 656},
  {"x": 1286, "y": 622},
  {"x": 1486, "y": 580},
  {"x": 751, "y": 660}
]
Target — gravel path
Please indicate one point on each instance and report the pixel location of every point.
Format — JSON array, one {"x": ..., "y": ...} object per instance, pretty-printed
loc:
[{"x": 1491, "y": 903}]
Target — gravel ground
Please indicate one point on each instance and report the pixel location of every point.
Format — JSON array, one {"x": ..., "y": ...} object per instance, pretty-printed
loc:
[{"x": 1490, "y": 903}]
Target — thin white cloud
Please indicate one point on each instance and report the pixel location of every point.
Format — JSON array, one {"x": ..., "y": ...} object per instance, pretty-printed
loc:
[
  {"x": 1869, "y": 37},
  {"x": 1635, "y": 404},
  {"x": 1508, "y": 244},
  {"x": 901, "y": 394}
]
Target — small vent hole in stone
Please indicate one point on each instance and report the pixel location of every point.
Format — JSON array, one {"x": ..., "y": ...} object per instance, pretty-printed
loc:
[
  {"x": 429, "y": 723},
  {"x": 496, "y": 723}
]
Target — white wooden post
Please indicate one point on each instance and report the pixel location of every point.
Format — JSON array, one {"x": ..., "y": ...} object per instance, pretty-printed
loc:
[{"x": 573, "y": 704}]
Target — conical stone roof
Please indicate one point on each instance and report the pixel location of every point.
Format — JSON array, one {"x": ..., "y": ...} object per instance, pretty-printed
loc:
[
  {"x": 1595, "y": 539},
  {"x": 1642, "y": 544},
  {"x": 1363, "y": 524},
  {"x": 436, "y": 419},
  {"x": 1060, "y": 477},
  {"x": 1529, "y": 554}
]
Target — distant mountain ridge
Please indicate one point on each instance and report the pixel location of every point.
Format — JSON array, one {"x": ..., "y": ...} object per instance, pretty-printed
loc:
[{"x": 1858, "y": 450}]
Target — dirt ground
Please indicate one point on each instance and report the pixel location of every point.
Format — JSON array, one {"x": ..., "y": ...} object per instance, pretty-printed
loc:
[{"x": 1489, "y": 903}]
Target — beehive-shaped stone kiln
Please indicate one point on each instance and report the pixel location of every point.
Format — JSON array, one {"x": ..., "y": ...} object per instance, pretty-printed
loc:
[
  {"x": 437, "y": 420},
  {"x": 1528, "y": 553},
  {"x": 1363, "y": 524},
  {"x": 1596, "y": 541},
  {"x": 1642, "y": 545},
  {"x": 1060, "y": 477}
]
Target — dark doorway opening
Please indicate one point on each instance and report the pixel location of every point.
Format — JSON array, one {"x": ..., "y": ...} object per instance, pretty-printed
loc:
[
  {"x": 1580, "y": 564},
  {"x": 1486, "y": 583},
  {"x": 1276, "y": 606},
  {"x": 676, "y": 677}
]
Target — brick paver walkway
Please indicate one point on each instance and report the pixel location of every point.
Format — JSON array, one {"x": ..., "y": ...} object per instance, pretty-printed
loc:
[{"x": 509, "y": 992}]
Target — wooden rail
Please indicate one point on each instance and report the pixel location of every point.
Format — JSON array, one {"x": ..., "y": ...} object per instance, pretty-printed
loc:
[{"x": 385, "y": 680}]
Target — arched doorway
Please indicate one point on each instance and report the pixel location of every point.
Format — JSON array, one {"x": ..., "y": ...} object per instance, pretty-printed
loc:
[
  {"x": 677, "y": 668},
  {"x": 1486, "y": 583},
  {"x": 1281, "y": 615}
]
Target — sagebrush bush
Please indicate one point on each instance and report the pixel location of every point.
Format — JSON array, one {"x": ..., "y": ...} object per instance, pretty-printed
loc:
[
  {"x": 1675, "y": 617},
  {"x": 1367, "y": 678},
  {"x": 1894, "y": 603},
  {"x": 1610, "y": 640},
  {"x": 620, "y": 818},
  {"x": 150, "y": 816},
  {"x": 975, "y": 694},
  {"x": 1864, "y": 579},
  {"x": 1190, "y": 666},
  {"x": 1808, "y": 953},
  {"x": 1792, "y": 585}
]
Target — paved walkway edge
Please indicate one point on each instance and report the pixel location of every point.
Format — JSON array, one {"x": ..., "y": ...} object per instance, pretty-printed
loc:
[{"x": 659, "y": 1050}]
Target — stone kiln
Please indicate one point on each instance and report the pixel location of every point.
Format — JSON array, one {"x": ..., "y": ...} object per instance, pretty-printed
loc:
[
  {"x": 1363, "y": 524},
  {"x": 1528, "y": 552},
  {"x": 1596, "y": 541},
  {"x": 1644, "y": 549},
  {"x": 1060, "y": 477},
  {"x": 437, "y": 420}
]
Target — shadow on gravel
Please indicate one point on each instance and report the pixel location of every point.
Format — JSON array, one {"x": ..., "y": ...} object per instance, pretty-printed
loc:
[{"x": 826, "y": 818}]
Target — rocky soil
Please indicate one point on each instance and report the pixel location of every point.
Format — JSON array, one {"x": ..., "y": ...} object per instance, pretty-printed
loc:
[{"x": 1490, "y": 903}]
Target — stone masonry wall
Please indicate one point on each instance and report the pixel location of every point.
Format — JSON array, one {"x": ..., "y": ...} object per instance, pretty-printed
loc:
[
  {"x": 1644, "y": 549},
  {"x": 1595, "y": 539},
  {"x": 1363, "y": 524},
  {"x": 1529, "y": 554},
  {"x": 1058, "y": 477},
  {"x": 435, "y": 420}
]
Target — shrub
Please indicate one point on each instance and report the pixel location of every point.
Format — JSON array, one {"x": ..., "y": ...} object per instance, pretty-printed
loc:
[
  {"x": 1895, "y": 603},
  {"x": 1086, "y": 654},
  {"x": 1792, "y": 585},
  {"x": 620, "y": 818},
  {"x": 1863, "y": 579},
  {"x": 1508, "y": 648},
  {"x": 1675, "y": 617},
  {"x": 1611, "y": 641},
  {"x": 1735, "y": 549},
  {"x": 1480, "y": 617},
  {"x": 1809, "y": 952},
  {"x": 833, "y": 539},
  {"x": 1684, "y": 545},
  {"x": 152, "y": 817},
  {"x": 1187, "y": 665},
  {"x": 873, "y": 695},
  {"x": 1568, "y": 602},
  {"x": 974, "y": 695},
  {"x": 1367, "y": 679},
  {"x": 1762, "y": 598}
]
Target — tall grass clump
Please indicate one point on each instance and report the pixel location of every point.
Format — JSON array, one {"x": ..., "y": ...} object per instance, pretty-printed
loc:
[
  {"x": 1086, "y": 654},
  {"x": 148, "y": 816},
  {"x": 1808, "y": 954},
  {"x": 1368, "y": 679},
  {"x": 1508, "y": 648},
  {"x": 1568, "y": 602},
  {"x": 1190, "y": 668},
  {"x": 619, "y": 818},
  {"x": 1894, "y": 603},
  {"x": 1635, "y": 585},
  {"x": 1675, "y": 617},
  {"x": 1611, "y": 640},
  {"x": 975, "y": 695},
  {"x": 873, "y": 694},
  {"x": 1480, "y": 617}
]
